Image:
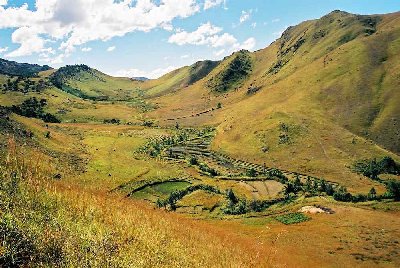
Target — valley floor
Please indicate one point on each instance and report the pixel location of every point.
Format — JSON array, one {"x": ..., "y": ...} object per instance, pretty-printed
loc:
[{"x": 99, "y": 208}]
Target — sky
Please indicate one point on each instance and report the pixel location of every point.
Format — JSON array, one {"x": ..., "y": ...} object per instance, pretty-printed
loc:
[{"x": 152, "y": 37}]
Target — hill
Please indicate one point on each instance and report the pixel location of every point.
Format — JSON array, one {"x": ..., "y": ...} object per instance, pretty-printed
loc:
[
  {"x": 13, "y": 68},
  {"x": 87, "y": 83},
  {"x": 178, "y": 79}
]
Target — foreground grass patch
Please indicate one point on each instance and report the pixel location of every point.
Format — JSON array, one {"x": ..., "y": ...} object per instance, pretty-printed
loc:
[{"x": 292, "y": 218}]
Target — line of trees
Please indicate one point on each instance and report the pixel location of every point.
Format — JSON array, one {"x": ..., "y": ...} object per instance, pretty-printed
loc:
[{"x": 34, "y": 108}]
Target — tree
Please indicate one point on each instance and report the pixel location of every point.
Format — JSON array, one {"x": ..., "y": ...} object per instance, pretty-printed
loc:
[
  {"x": 329, "y": 189},
  {"x": 341, "y": 194},
  {"x": 308, "y": 184},
  {"x": 372, "y": 194},
  {"x": 297, "y": 183},
  {"x": 322, "y": 186},
  {"x": 231, "y": 196},
  {"x": 251, "y": 172},
  {"x": 219, "y": 105},
  {"x": 393, "y": 188},
  {"x": 289, "y": 188}
]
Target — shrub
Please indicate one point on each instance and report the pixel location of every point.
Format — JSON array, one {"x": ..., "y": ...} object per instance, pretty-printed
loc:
[
  {"x": 292, "y": 218},
  {"x": 341, "y": 194},
  {"x": 393, "y": 189},
  {"x": 251, "y": 172}
]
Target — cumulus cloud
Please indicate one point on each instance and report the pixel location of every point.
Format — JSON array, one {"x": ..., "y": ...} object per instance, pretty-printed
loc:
[
  {"x": 249, "y": 44},
  {"x": 148, "y": 74},
  {"x": 206, "y": 34},
  {"x": 212, "y": 3},
  {"x": 109, "y": 49},
  {"x": 76, "y": 22},
  {"x": 29, "y": 40},
  {"x": 86, "y": 49}
]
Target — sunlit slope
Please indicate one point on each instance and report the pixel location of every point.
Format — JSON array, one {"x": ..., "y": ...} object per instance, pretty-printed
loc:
[
  {"x": 87, "y": 83},
  {"x": 178, "y": 79},
  {"x": 333, "y": 82}
]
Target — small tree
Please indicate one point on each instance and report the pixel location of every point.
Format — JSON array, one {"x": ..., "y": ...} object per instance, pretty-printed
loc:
[
  {"x": 393, "y": 188},
  {"x": 251, "y": 172},
  {"x": 329, "y": 189},
  {"x": 297, "y": 183},
  {"x": 48, "y": 135},
  {"x": 308, "y": 184},
  {"x": 372, "y": 194},
  {"x": 194, "y": 161},
  {"x": 341, "y": 194},
  {"x": 230, "y": 195}
]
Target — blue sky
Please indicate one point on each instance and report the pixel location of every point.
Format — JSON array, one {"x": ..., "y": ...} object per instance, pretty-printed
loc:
[{"x": 149, "y": 38}]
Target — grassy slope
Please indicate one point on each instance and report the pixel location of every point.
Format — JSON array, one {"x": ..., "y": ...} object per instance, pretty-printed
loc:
[
  {"x": 339, "y": 99},
  {"x": 178, "y": 79},
  {"x": 100, "y": 84}
]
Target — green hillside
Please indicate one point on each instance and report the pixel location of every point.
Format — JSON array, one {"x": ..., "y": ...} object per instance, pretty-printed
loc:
[{"x": 87, "y": 83}]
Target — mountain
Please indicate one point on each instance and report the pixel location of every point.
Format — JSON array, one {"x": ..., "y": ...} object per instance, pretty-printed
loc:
[
  {"x": 21, "y": 69},
  {"x": 336, "y": 74}
]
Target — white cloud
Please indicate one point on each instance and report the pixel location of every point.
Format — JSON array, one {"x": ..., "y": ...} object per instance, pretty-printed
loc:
[
  {"x": 112, "y": 48},
  {"x": 185, "y": 56},
  {"x": 3, "y": 2},
  {"x": 86, "y": 49},
  {"x": 254, "y": 25},
  {"x": 206, "y": 34},
  {"x": 76, "y": 22},
  {"x": 148, "y": 74},
  {"x": 249, "y": 44},
  {"x": 212, "y": 3},
  {"x": 29, "y": 40},
  {"x": 3, "y": 49},
  {"x": 246, "y": 15}
]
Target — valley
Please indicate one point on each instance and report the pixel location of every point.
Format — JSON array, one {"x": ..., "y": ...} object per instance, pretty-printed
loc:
[{"x": 211, "y": 164}]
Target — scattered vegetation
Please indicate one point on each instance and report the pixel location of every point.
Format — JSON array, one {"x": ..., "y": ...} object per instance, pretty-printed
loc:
[
  {"x": 292, "y": 218},
  {"x": 33, "y": 107},
  {"x": 25, "y": 85},
  {"x": 233, "y": 74},
  {"x": 372, "y": 168}
]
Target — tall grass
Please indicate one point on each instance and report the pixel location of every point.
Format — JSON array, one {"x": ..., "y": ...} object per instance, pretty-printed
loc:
[{"x": 53, "y": 224}]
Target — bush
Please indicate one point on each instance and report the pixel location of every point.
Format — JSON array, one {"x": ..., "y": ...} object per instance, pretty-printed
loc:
[
  {"x": 292, "y": 218},
  {"x": 393, "y": 189},
  {"x": 341, "y": 194},
  {"x": 251, "y": 173}
]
